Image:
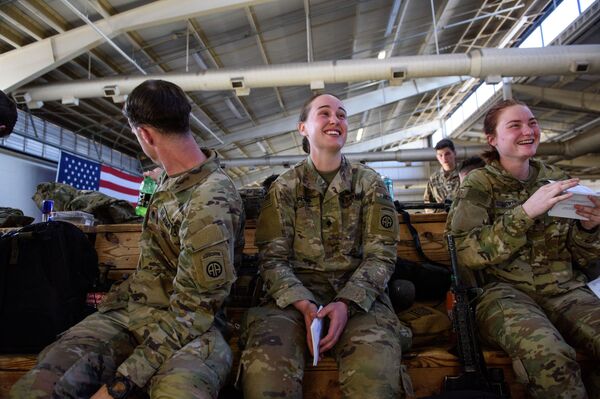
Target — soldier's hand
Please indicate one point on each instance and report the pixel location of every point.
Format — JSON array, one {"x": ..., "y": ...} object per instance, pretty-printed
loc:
[
  {"x": 337, "y": 312},
  {"x": 102, "y": 393},
  {"x": 547, "y": 196},
  {"x": 592, "y": 213},
  {"x": 154, "y": 174},
  {"x": 309, "y": 311}
]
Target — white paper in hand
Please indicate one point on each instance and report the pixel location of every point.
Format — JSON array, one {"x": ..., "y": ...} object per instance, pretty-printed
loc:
[
  {"x": 315, "y": 332},
  {"x": 566, "y": 208}
]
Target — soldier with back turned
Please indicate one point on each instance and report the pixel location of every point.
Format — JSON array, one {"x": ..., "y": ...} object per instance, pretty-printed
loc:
[{"x": 158, "y": 330}]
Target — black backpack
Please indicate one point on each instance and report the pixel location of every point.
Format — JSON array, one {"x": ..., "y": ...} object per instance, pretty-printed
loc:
[{"x": 46, "y": 271}]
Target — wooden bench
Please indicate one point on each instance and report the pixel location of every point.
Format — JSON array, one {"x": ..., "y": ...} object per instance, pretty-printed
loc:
[{"x": 117, "y": 247}]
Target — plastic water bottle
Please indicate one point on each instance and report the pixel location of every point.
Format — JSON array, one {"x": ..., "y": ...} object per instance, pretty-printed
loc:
[
  {"x": 390, "y": 186},
  {"x": 147, "y": 188},
  {"x": 47, "y": 208}
]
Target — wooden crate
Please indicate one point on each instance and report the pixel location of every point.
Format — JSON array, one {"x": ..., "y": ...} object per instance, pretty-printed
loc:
[
  {"x": 430, "y": 227},
  {"x": 13, "y": 367},
  {"x": 118, "y": 248}
]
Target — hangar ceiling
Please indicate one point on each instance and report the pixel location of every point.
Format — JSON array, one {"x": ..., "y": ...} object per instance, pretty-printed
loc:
[{"x": 249, "y": 65}]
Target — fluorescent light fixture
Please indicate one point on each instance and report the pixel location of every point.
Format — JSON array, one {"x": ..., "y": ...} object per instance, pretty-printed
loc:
[
  {"x": 199, "y": 61},
  {"x": 262, "y": 147},
  {"x": 359, "y": 134},
  {"x": 381, "y": 55},
  {"x": 513, "y": 31}
]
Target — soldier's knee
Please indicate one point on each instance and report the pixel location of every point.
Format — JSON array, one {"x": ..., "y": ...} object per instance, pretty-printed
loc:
[
  {"x": 260, "y": 380},
  {"x": 550, "y": 376},
  {"x": 371, "y": 376},
  {"x": 264, "y": 374},
  {"x": 202, "y": 382}
]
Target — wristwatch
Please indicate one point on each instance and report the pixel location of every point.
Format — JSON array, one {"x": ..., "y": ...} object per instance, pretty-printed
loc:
[{"x": 120, "y": 387}]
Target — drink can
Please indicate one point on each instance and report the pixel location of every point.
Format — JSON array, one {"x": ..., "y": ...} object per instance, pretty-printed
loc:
[{"x": 47, "y": 207}]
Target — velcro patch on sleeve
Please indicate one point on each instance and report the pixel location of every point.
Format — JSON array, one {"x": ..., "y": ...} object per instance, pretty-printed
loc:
[
  {"x": 268, "y": 225},
  {"x": 210, "y": 247},
  {"x": 383, "y": 219},
  {"x": 474, "y": 195},
  {"x": 213, "y": 265}
]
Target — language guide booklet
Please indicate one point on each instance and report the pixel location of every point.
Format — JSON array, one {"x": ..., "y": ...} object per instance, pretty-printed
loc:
[
  {"x": 566, "y": 208},
  {"x": 316, "y": 328}
]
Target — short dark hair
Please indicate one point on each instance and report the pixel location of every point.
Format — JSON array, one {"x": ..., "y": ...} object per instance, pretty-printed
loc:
[
  {"x": 471, "y": 163},
  {"x": 445, "y": 143},
  {"x": 8, "y": 114},
  {"x": 160, "y": 104}
]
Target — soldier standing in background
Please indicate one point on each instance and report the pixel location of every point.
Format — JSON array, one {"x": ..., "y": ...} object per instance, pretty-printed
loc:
[
  {"x": 326, "y": 235},
  {"x": 157, "y": 331},
  {"x": 444, "y": 183},
  {"x": 535, "y": 302}
]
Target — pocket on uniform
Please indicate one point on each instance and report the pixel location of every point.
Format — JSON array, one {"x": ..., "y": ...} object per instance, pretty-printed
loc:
[
  {"x": 210, "y": 255},
  {"x": 307, "y": 235},
  {"x": 352, "y": 230}
]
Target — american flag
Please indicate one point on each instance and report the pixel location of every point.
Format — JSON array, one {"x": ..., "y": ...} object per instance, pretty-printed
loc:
[{"x": 84, "y": 174}]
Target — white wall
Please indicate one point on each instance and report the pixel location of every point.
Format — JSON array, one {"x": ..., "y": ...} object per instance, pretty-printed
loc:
[{"x": 18, "y": 180}]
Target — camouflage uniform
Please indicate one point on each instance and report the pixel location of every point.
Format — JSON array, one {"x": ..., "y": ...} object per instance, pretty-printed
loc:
[
  {"x": 158, "y": 327},
  {"x": 442, "y": 186},
  {"x": 106, "y": 209},
  {"x": 13, "y": 217},
  {"x": 321, "y": 243},
  {"x": 533, "y": 294}
]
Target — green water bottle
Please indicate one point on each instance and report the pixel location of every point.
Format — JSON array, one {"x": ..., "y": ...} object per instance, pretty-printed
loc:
[{"x": 147, "y": 188}]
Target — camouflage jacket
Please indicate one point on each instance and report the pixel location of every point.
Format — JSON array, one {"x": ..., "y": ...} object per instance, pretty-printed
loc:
[
  {"x": 441, "y": 187},
  {"x": 342, "y": 236},
  {"x": 493, "y": 232},
  {"x": 106, "y": 209},
  {"x": 193, "y": 230}
]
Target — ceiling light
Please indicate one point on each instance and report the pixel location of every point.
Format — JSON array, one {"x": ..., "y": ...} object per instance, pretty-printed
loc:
[
  {"x": 381, "y": 55},
  {"x": 359, "y": 134},
  {"x": 262, "y": 147}
]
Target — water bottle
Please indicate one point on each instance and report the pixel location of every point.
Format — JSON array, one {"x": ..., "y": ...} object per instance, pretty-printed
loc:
[
  {"x": 390, "y": 186},
  {"x": 47, "y": 208},
  {"x": 147, "y": 188}
]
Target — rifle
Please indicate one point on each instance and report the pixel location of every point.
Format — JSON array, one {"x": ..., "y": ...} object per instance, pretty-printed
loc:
[
  {"x": 419, "y": 205},
  {"x": 475, "y": 375}
]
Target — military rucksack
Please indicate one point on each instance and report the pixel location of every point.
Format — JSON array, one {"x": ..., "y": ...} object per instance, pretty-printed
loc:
[
  {"x": 13, "y": 217},
  {"x": 46, "y": 270}
]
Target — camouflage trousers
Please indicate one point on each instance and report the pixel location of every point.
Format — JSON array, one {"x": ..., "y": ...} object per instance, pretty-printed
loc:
[
  {"x": 529, "y": 327},
  {"x": 88, "y": 354},
  {"x": 368, "y": 353}
]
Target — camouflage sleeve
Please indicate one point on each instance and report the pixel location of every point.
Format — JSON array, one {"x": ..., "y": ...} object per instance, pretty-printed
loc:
[
  {"x": 205, "y": 273},
  {"x": 380, "y": 236},
  {"x": 584, "y": 245},
  {"x": 428, "y": 195},
  {"x": 274, "y": 238},
  {"x": 481, "y": 242}
]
